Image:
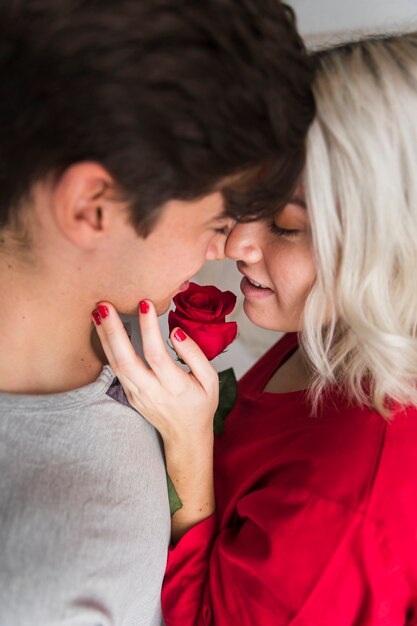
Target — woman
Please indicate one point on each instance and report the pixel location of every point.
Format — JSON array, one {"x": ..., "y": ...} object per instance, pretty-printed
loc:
[{"x": 316, "y": 472}]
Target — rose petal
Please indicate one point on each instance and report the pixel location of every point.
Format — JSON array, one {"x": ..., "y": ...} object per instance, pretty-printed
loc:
[
  {"x": 177, "y": 319},
  {"x": 193, "y": 303},
  {"x": 212, "y": 339},
  {"x": 200, "y": 312},
  {"x": 229, "y": 302}
]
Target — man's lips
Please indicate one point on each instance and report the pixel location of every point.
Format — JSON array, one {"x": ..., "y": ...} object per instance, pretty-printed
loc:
[{"x": 184, "y": 286}]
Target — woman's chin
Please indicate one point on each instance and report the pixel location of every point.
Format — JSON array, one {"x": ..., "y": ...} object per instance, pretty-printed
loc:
[{"x": 257, "y": 314}]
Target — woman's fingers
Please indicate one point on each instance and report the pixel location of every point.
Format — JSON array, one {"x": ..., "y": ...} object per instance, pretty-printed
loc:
[
  {"x": 126, "y": 364},
  {"x": 155, "y": 348},
  {"x": 179, "y": 404},
  {"x": 116, "y": 344},
  {"x": 191, "y": 354}
]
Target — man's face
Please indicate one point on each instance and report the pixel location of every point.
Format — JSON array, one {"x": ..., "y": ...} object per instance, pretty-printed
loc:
[{"x": 185, "y": 235}]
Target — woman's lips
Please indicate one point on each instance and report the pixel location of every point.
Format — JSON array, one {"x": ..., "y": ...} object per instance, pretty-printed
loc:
[{"x": 251, "y": 291}]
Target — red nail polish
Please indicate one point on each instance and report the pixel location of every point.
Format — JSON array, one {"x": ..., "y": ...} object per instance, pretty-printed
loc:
[
  {"x": 180, "y": 335},
  {"x": 143, "y": 306},
  {"x": 103, "y": 310},
  {"x": 96, "y": 317}
]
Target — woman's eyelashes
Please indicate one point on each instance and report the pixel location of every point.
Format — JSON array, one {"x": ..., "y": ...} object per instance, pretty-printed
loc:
[{"x": 283, "y": 232}]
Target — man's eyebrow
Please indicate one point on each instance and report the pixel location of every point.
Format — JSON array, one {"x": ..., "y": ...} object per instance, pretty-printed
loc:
[{"x": 220, "y": 216}]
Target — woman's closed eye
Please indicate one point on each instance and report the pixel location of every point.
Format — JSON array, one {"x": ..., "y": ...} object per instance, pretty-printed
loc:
[
  {"x": 292, "y": 221},
  {"x": 283, "y": 232}
]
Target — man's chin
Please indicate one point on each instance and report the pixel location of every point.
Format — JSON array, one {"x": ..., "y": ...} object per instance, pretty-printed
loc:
[{"x": 162, "y": 307}]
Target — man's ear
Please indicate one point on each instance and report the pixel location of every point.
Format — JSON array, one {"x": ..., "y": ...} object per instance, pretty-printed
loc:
[{"x": 84, "y": 203}]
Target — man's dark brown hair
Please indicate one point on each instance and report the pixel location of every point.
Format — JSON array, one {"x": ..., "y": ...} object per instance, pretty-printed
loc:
[{"x": 171, "y": 96}]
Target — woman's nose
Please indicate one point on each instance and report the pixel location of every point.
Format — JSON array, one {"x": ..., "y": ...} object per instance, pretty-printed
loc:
[{"x": 244, "y": 243}]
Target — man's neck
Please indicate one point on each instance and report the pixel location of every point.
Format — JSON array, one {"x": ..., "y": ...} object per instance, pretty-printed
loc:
[{"x": 46, "y": 337}]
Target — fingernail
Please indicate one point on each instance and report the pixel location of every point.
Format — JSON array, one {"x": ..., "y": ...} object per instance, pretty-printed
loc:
[
  {"x": 96, "y": 317},
  {"x": 103, "y": 310},
  {"x": 180, "y": 335},
  {"x": 143, "y": 306}
]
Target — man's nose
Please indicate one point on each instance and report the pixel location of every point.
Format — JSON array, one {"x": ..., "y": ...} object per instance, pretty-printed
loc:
[{"x": 217, "y": 246}]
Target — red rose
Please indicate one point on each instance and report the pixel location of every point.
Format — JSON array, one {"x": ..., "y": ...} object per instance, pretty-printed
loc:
[{"x": 201, "y": 312}]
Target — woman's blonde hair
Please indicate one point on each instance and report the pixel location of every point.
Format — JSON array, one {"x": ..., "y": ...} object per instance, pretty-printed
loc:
[{"x": 361, "y": 186}]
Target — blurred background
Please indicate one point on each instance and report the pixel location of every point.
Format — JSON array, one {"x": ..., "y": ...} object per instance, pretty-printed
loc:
[{"x": 322, "y": 23}]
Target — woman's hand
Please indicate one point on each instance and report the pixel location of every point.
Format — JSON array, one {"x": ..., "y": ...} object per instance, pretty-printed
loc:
[{"x": 179, "y": 404}]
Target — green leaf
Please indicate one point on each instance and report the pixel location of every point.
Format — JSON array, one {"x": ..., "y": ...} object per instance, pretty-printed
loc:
[
  {"x": 174, "y": 502},
  {"x": 227, "y": 399}
]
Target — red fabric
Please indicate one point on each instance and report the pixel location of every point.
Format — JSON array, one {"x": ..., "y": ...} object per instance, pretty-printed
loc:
[{"x": 316, "y": 519}]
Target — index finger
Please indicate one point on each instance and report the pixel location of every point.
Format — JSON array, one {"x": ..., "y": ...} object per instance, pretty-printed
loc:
[
  {"x": 155, "y": 348},
  {"x": 116, "y": 344}
]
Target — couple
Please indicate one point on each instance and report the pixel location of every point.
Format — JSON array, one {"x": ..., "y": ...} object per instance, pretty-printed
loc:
[
  {"x": 133, "y": 137},
  {"x": 311, "y": 517}
]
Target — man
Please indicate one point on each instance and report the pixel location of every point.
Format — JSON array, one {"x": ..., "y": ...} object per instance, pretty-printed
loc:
[{"x": 132, "y": 133}]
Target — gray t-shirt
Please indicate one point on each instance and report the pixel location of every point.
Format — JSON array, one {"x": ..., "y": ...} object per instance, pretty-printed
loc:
[{"x": 84, "y": 512}]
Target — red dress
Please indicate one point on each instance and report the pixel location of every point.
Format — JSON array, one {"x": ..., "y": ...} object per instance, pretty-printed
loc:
[{"x": 316, "y": 521}]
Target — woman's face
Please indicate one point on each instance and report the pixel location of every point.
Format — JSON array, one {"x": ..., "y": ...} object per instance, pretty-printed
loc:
[{"x": 276, "y": 259}]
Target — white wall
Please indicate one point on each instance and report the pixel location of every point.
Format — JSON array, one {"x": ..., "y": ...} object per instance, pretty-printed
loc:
[{"x": 327, "y": 21}]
